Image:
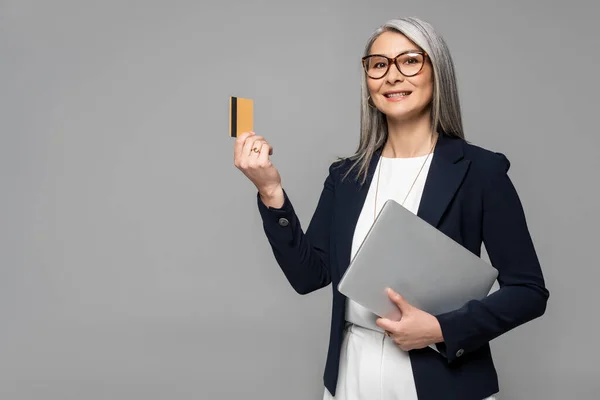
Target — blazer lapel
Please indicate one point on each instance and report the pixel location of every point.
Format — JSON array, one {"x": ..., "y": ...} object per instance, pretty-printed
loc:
[
  {"x": 353, "y": 197},
  {"x": 446, "y": 173}
]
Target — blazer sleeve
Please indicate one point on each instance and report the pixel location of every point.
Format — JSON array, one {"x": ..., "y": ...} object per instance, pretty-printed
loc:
[
  {"x": 303, "y": 257},
  {"x": 522, "y": 295}
]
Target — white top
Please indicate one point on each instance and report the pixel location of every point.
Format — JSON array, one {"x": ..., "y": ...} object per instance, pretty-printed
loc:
[{"x": 397, "y": 176}]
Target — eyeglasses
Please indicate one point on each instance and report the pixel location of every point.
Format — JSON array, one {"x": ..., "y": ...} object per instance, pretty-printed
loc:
[{"x": 409, "y": 63}]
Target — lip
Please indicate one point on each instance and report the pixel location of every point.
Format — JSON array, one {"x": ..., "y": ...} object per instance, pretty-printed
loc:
[
  {"x": 396, "y": 99},
  {"x": 396, "y": 91}
]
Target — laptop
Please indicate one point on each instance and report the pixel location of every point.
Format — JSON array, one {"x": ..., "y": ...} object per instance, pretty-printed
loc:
[{"x": 428, "y": 268}]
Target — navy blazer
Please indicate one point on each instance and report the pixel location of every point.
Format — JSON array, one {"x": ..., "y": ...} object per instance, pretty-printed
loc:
[{"x": 469, "y": 197}]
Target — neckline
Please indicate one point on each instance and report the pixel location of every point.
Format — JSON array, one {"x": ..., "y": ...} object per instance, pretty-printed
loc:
[{"x": 407, "y": 158}]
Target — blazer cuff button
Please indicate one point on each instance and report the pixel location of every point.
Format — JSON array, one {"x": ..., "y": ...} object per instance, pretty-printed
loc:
[
  {"x": 283, "y": 222},
  {"x": 460, "y": 353}
]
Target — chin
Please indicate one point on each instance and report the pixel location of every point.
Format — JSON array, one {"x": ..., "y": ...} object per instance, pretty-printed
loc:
[{"x": 401, "y": 113}]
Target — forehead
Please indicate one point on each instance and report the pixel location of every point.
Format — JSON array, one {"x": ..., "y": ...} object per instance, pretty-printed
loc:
[{"x": 391, "y": 44}]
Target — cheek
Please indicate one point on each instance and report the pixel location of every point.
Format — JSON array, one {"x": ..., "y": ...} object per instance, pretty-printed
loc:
[
  {"x": 428, "y": 84},
  {"x": 425, "y": 87},
  {"x": 373, "y": 86},
  {"x": 428, "y": 90}
]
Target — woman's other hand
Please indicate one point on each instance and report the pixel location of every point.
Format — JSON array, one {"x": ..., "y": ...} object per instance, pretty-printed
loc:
[
  {"x": 415, "y": 330},
  {"x": 251, "y": 156}
]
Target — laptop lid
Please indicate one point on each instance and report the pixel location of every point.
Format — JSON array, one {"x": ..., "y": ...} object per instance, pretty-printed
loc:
[{"x": 428, "y": 268}]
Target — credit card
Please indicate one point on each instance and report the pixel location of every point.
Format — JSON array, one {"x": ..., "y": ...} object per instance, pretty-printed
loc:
[{"x": 240, "y": 115}]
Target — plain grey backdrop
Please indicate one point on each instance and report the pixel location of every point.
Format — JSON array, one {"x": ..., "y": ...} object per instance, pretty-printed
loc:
[{"x": 133, "y": 261}]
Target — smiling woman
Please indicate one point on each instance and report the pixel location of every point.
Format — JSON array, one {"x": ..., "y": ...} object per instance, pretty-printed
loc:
[{"x": 411, "y": 150}]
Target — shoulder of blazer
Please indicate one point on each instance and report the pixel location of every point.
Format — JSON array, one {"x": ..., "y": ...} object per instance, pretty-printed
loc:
[
  {"x": 339, "y": 168},
  {"x": 484, "y": 160}
]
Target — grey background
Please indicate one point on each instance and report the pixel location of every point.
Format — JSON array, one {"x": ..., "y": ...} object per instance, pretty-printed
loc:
[{"x": 133, "y": 262}]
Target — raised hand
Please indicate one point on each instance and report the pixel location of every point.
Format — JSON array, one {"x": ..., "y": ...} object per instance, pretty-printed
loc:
[{"x": 252, "y": 157}]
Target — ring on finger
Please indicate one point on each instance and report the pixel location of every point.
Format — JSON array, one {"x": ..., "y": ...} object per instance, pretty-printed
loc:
[
  {"x": 257, "y": 146},
  {"x": 255, "y": 149}
]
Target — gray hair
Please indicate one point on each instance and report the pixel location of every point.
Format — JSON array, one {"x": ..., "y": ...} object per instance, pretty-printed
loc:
[{"x": 445, "y": 107}]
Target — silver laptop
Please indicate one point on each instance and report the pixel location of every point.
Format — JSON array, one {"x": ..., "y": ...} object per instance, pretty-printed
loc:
[{"x": 429, "y": 269}]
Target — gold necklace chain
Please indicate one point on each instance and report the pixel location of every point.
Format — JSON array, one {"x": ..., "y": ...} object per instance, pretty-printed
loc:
[{"x": 411, "y": 186}]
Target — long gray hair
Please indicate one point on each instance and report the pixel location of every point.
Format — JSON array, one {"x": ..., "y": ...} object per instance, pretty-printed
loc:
[{"x": 445, "y": 107}]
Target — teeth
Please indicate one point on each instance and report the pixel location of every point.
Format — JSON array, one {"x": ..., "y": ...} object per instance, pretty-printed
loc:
[{"x": 400, "y": 94}]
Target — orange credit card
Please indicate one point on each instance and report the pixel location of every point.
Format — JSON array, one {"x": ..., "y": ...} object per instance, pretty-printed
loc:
[{"x": 240, "y": 115}]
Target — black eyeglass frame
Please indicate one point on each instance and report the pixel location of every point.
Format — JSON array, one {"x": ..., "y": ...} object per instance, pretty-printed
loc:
[{"x": 393, "y": 61}]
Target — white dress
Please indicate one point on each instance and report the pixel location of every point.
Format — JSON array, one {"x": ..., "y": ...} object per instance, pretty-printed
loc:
[{"x": 372, "y": 366}]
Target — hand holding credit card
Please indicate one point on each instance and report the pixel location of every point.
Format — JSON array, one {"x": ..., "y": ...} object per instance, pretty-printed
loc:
[
  {"x": 252, "y": 153},
  {"x": 241, "y": 117}
]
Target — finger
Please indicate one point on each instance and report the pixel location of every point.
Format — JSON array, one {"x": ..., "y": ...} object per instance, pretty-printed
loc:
[
  {"x": 402, "y": 304},
  {"x": 249, "y": 145},
  {"x": 404, "y": 347},
  {"x": 265, "y": 151},
  {"x": 385, "y": 324},
  {"x": 239, "y": 143},
  {"x": 256, "y": 148},
  {"x": 267, "y": 148}
]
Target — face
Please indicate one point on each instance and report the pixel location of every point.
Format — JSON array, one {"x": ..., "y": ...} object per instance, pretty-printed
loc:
[{"x": 420, "y": 86}]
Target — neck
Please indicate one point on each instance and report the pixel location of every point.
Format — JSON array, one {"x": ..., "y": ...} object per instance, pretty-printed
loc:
[{"x": 409, "y": 138}]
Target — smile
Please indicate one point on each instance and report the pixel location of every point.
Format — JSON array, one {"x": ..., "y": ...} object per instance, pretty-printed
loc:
[{"x": 397, "y": 94}]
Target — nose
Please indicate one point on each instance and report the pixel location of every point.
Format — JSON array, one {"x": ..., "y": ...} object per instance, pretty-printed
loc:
[{"x": 394, "y": 74}]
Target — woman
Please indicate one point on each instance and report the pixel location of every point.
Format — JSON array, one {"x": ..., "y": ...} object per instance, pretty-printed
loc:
[{"x": 412, "y": 150}]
